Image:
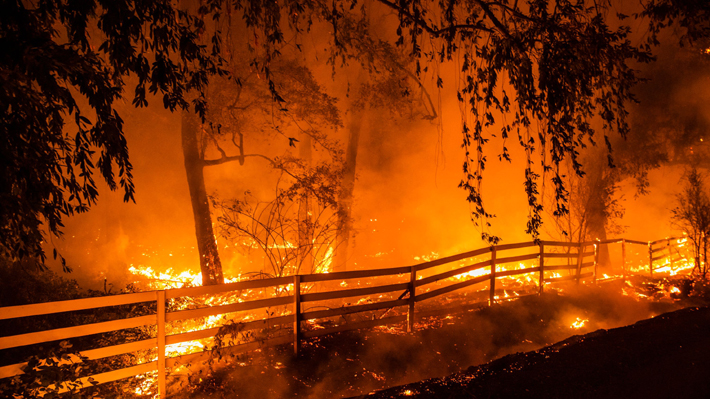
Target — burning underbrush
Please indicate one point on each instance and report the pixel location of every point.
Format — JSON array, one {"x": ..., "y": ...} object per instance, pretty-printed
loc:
[
  {"x": 357, "y": 362},
  {"x": 353, "y": 331}
]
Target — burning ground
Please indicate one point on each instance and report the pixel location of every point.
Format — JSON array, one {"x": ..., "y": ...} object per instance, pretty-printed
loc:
[{"x": 355, "y": 363}]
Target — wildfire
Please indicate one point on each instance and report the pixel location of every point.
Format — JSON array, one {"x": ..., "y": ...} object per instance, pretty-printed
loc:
[
  {"x": 526, "y": 279},
  {"x": 472, "y": 274},
  {"x": 172, "y": 279},
  {"x": 147, "y": 386},
  {"x": 427, "y": 258},
  {"x": 167, "y": 279},
  {"x": 507, "y": 288},
  {"x": 327, "y": 260},
  {"x": 579, "y": 323}
]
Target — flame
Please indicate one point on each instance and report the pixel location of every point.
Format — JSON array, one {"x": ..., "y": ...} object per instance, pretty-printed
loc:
[
  {"x": 147, "y": 385},
  {"x": 509, "y": 287},
  {"x": 579, "y": 323},
  {"x": 427, "y": 258},
  {"x": 472, "y": 274},
  {"x": 167, "y": 279},
  {"x": 519, "y": 281},
  {"x": 327, "y": 260},
  {"x": 172, "y": 279}
]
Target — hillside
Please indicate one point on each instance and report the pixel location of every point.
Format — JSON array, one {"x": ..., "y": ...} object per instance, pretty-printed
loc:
[{"x": 663, "y": 357}]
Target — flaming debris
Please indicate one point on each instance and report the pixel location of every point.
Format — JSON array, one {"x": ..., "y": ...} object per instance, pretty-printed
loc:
[
  {"x": 518, "y": 276},
  {"x": 579, "y": 323}
]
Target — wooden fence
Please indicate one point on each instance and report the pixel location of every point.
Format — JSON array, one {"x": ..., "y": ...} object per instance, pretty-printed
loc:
[{"x": 409, "y": 286}]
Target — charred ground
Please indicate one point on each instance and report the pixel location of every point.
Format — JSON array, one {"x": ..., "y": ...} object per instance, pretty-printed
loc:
[
  {"x": 357, "y": 363},
  {"x": 667, "y": 356}
]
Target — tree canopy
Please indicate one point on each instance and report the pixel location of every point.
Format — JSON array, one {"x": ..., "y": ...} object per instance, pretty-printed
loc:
[
  {"x": 555, "y": 74},
  {"x": 63, "y": 67}
]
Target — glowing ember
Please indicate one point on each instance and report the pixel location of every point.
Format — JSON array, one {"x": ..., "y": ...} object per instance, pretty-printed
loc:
[
  {"x": 169, "y": 279},
  {"x": 579, "y": 323},
  {"x": 427, "y": 258},
  {"x": 147, "y": 385},
  {"x": 508, "y": 287}
]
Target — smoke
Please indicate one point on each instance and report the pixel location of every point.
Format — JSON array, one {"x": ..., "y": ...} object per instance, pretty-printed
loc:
[
  {"x": 155, "y": 231},
  {"x": 407, "y": 204},
  {"x": 355, "y": 363},
  {"x": 668, "y": 134}
]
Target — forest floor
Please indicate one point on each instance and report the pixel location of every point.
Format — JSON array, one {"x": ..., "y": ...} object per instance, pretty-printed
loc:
[{"x": 445, "y": 351}]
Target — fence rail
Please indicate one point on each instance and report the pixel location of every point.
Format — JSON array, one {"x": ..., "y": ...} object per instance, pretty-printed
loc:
[{"x": 577, "y": 256}]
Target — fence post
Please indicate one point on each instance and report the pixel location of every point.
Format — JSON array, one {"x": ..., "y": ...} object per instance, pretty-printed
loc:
[
  {"x": 670, "y": 254},
  {"x": 623, "y": 258},
  {"x": 542, "y": 267},
  {"x": 296, "y": 313},
  {"x": 596, "y": 258},
  {"x": 162, "y": 389},
  {"x": 580, "y": 250},
  {"x": 412, "y": 297},
  {"x": 650, "y": 258},
  {"x": 492, "y": 298}
]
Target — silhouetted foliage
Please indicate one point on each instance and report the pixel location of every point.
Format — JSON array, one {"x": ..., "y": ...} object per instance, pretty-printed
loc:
[
  {"x": 540, "y": 70},
  {"x": 63, "y": 66},
  {"x": 691, "y": 16},
  {"x": 692, "y": 216}
]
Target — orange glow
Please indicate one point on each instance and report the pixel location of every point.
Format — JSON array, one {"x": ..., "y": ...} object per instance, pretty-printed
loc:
[
  {"x": 579, "y": 323},
  {"x": 507, "y": 288},
  {"x": 172, "y": 279}
]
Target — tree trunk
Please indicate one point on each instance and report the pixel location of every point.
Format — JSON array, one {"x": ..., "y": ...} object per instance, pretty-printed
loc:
[
  {"x": 210, "y": 264},
  {"x": 305, "y": 230},
  {"x": 705, "y": 256},
  {"x": 345, "y": 197},
  {"x": 597, "y": 210}
]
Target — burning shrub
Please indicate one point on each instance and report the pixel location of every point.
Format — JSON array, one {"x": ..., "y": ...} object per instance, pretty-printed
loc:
[
  {"x": 692, "y": 215},
  {"x": 296, "y": 231}
]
